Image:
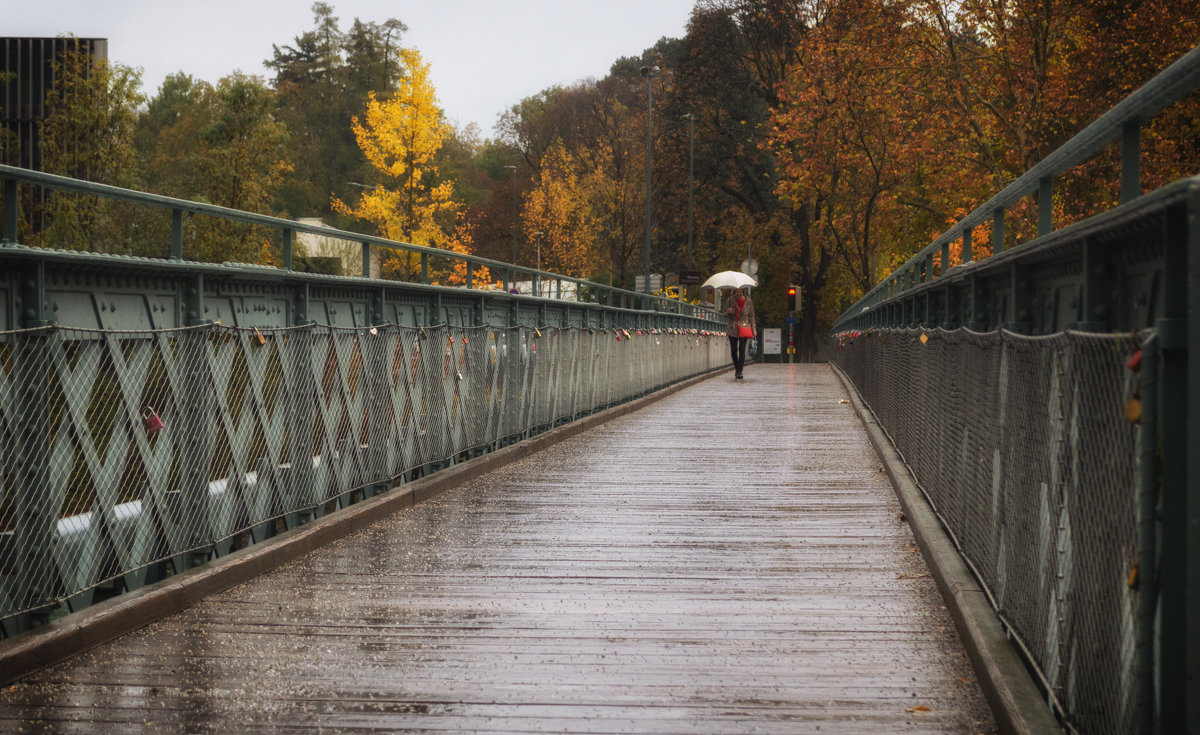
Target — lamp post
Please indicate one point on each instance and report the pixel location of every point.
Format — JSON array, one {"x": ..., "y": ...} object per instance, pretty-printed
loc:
[
  {"x": 514, "y": 224},
  {"x": 650, "y": 72},
  {"x": 691, "y": 118}
]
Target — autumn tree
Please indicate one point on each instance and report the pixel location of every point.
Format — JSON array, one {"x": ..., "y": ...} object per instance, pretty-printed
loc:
[
  {"x": 530, "y": 126},
  {"x": 1005, "y": 88},
  {"x": 401, "y": 137},
  {"x": 321, "y": 82},
  {"x": 88, "y": 134},
  {"x": 1019, "y": 79},
  {"x": 220, "y": 145},
  {"x": 241, "y": 163},
  {"x": 609, "y": 156},
  {"x": 1122, "y": 46},
  {"x": 166, "y": 136},
  {"x": 859, "y": 140},
  {"x": 492, "y": 196},
  {"x": 736, "y": 55},
  {"x": 557, "y": 216}
]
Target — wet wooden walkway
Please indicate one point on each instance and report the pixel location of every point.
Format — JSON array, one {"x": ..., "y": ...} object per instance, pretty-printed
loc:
[{"x": 730, "y": 559}]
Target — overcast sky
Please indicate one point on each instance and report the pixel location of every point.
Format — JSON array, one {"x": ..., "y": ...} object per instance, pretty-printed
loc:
[{"x": 484, "y": 55}]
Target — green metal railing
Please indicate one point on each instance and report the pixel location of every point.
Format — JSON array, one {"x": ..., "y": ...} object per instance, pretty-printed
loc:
[
  {"x": 1123, "y": 122},
  {"x": 156, "y": 412},
  {"x": 11, "y": 178},
  {"x": 1046, "y": 400},
  {"x": 126, "y": 456}
]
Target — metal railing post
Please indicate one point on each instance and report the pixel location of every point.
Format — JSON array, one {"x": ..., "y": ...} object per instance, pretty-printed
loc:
[
  {"x": 1179, "y": 631},
  {"x": 176, "y": 234},
  {"x": 1131, "y": 160},
  {"x": 10, "y": 210},
  {"x": 1045, "y": 206}
]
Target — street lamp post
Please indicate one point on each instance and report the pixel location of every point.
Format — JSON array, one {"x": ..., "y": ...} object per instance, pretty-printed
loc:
[
  {"x": 650, "y": 72},
  {"x": 515, "y": 208},
  {"x": 691, "y": 118}
]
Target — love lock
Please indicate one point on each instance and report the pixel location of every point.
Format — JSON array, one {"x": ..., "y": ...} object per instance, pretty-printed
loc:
[{"x": 151, "y": 420}]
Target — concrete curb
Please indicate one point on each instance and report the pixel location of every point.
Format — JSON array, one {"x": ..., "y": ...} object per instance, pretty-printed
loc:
[
  {"x": 1016, "y": 702},
  {"x": 57, "y": 641}
]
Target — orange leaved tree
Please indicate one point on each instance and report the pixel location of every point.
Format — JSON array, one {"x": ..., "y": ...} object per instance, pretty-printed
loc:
[{"x": 400, "y": 137}]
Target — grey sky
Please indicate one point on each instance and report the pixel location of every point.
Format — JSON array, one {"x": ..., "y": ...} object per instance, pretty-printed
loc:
[{"x": 484, "y": 56}]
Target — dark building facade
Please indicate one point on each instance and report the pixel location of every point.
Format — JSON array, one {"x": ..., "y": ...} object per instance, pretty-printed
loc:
[{"x": 26, "y": 75}]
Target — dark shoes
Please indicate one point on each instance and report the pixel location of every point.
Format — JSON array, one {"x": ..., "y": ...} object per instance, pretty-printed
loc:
[{"x": 738, "y": 376}]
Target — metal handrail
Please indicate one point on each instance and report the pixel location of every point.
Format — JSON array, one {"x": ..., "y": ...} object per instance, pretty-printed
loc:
[
  {"x": 11, "y": 175},
  {"x": 1123, "y": 121}
]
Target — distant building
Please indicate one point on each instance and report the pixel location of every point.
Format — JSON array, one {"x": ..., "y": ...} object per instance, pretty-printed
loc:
[
  {"x": 348, "y": 252},
  {"x": 26, "y": 75}
]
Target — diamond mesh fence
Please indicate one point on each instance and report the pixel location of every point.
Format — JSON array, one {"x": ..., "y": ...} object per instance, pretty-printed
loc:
[
  {"x": 1022, "y": 447},
  {"x": 125, "y": 456}
]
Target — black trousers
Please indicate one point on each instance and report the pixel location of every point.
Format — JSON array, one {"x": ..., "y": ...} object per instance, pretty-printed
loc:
[{"x": 737, "y": 348}]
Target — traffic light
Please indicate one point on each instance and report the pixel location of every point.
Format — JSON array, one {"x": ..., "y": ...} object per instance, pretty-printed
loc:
[{"x": 791, "y": 298}]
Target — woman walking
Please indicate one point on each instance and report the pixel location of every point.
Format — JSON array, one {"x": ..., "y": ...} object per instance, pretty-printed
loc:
[{"x": 740, "y": 328}]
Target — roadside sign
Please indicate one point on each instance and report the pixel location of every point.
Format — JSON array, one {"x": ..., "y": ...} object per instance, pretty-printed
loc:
[{"x": 772, "y": 341}]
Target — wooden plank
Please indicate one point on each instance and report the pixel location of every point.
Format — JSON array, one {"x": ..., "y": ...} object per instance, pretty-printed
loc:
[{"x": 730, "y": 559}]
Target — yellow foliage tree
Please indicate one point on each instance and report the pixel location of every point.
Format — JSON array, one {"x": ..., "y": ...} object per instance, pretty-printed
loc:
[
  {"x": 558, "y": 216},
  {"x": 401, "y": 137}
]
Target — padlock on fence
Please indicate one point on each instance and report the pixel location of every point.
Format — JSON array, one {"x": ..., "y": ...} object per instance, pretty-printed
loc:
[{"x": 151, "y": 420}]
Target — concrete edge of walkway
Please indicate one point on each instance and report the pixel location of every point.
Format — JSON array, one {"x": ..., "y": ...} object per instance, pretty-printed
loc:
[
  {"x": 1016, "y": 702},
  {"x": 78, "y": 632}
]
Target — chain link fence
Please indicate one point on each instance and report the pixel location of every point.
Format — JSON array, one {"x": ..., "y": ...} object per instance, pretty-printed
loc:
[
  {"x": 1023, "y": 447},
  {"x": 126, "y": 456}
]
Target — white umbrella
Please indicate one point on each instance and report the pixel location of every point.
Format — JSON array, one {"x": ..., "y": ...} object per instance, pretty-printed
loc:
[{"x": 729, "y": 279}]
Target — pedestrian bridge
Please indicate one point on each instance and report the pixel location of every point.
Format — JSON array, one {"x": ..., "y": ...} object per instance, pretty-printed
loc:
[
  {"x": 380, "y": 505},
  {"x": 726, "y": 558}
]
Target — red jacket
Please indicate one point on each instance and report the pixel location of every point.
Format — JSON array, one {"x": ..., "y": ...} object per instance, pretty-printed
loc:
[{"x": 747, "y": 316}]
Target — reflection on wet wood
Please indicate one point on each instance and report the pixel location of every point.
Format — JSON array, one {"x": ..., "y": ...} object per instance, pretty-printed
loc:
[{"x": 728, "y": 560}]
